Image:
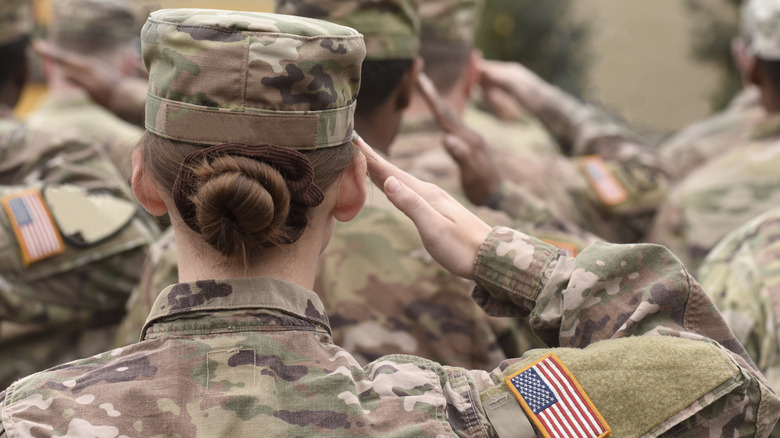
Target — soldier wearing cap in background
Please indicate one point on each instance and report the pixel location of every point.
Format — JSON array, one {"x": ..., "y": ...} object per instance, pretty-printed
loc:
[
  {"x": 104, "y": 31},
  {"x": 704, "y": 140},
  {"x": 69, "y": 256},
  {"x": 252, "y": 351},
  {"x": 424, "y": 150},
  {"x": 382, "y": 290}
]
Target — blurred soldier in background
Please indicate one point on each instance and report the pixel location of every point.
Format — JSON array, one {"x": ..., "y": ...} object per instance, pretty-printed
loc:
[
  {"x": 106, "y": 32},
  {"x": 384, "y": 292},
  {"x": 702, "y": 141},
  {"x": 64, "y": 287},
  {"x": 742, "y": 182}
]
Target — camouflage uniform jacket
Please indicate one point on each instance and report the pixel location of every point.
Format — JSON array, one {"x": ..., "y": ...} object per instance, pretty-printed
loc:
[
  {"x": 385, "y": 294},
  {"x": 741, "y": 276},
  {"x": 94, "y": 123},
  {"x": 63, "y": 307},
  {"x": 29, "y": 156},
  {"x": 234, "y": 357},
  {"x": 721, "y": 195},
  {"x": 160, "y": 269},
  {"x": 610, "y": 188},
  {"x": 699, "y": 143}
]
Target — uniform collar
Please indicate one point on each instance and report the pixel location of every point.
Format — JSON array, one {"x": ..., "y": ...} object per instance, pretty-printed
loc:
[{"x": 236, "y": 294}]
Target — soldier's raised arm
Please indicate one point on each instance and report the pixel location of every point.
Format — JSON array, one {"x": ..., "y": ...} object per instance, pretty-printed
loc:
[{"x": 639, "y": 294}]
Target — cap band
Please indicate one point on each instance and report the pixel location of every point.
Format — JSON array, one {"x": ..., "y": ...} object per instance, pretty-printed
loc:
[{"x": 295, "y": 130}]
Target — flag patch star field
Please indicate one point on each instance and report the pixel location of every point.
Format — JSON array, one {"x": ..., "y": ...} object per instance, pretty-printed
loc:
[{"x": 555, "y": 402}]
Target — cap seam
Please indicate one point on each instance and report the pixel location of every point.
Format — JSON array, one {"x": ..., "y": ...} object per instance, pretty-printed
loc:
[{"x": 258, "y": 32}]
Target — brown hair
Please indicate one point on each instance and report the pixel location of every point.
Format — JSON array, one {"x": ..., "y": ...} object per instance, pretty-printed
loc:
[{"x": 242, "y": 205}]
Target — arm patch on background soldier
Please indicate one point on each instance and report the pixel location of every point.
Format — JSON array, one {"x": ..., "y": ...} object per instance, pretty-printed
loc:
[
  {"x": 555, "y": 402},
  {"x": 86, "y": 219},
  {"x": 33, "y": 224},
  {"x": 603, "y": 180}
]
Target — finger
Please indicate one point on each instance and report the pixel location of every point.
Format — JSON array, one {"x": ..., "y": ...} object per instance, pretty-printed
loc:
[
  {"x": 456, "y": 147},
  {"x": 444, "y": 117},
  {"x": 46, "y": 50},
  {"x": 412, "y": 204}
]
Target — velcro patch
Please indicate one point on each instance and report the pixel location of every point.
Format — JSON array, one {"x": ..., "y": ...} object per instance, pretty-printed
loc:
[
  {"x": 555, "y": 402},
  {"x": 603, "y": 180},
  {"x": 35, "y": 230},
  {"x": 569, "y": 248}
]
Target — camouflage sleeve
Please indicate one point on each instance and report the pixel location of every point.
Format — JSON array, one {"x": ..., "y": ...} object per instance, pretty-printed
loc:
[
  {"x": 622, "y": 293},
  {"x": 608, "y": 291},
  {"x": 582, "y": 129}
]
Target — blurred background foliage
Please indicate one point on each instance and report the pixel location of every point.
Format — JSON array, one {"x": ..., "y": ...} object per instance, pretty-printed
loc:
[
  {"x": 713, "y": 29},
  {"x": 542, "y": 35}
]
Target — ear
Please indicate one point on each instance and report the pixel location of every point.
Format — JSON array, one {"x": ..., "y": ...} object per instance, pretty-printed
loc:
[
  {"x": 144, "y": 189},
  {"x": 406, "y": 87},
  {"x": 352, "y": 190}
]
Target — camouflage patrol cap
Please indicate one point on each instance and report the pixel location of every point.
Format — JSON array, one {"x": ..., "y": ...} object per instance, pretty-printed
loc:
[
  {"x": 762, "y": 17},
  {"x": 15, "y": 20},
  {"x": 78, "y": 24},
  {"x": 391, "y": 27},
  {"x": 449, "y": 20},
  {"x": 222, "y": 76}
]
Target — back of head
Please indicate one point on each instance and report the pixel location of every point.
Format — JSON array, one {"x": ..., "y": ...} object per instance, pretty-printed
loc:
[
  {"x": 89, "y": 26},
  {"x": 249, "y": 116},
  {"x": 447, "y": 38},
  {"x": 16, "y": 25},
  {"x": 392, "y": 36}
]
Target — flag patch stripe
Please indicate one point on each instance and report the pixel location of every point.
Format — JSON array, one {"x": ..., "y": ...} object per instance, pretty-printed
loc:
[
  {"x": 33, "y": 226},
  {"x": 555, "y": 402}
]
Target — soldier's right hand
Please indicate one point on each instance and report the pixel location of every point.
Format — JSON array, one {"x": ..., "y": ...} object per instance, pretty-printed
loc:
[
  {"x": 450, "y": 232},
  {"x": 513, "y": 78}
]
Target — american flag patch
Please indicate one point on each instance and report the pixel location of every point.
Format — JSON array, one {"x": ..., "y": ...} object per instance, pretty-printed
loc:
[
  {"x": 603, "y": 181},
  {"x": 35, "y": 230},
  {"x": 554, "y": 401}
]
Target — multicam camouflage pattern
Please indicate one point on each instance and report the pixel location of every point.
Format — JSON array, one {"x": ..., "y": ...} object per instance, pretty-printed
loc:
[
  {"x": 449, "y": 20},
  {"x": 66, "y": 306},
  {"x": 160, "y": 270},
  {"x": 699, "y": 143},
  {"x": 96, "y": 24},
  {"x": 419, "y": 151},
  {"x": 63, "y": 156},
  {"x": 385, "y": 294},
  {"x": 195, "y": 374},
  {"x": 391, "y": 27},
  {"x": 549, "y": 187},
  {"x": 94, "y": 124},
  {"x": 721, "y": 195},
  {"x": 16, "y": 20},
  {"x": 223, "y": 76},
  {"x": 741, "y": 276},
  {"x": 763, "y": 22}
]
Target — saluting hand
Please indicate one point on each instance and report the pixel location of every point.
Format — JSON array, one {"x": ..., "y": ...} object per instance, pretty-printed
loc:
[
  {"x": 449, "y": 231},
  {"x": 479, "y": 172}
]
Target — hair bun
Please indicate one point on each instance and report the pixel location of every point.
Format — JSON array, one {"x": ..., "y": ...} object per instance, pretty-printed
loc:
[{"x": 241, "y": 205}]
